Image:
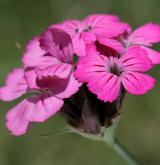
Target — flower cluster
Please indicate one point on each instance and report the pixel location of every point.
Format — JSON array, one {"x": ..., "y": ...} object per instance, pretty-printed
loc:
[{"x": 110, "y": 58}]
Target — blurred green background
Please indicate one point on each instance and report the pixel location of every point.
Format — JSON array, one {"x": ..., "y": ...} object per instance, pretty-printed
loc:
[{"x": 139, "y": 129}]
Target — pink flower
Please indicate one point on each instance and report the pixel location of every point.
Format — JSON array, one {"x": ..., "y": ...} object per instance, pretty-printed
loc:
[
  {"x": 37, "y": 108},
  {"x": 51, "y": 57},
  {"x": 144, "y": 37},
  {"x": 91, "y": 28},
  {"x": 105, "y": 76},
  {"x": 48, "y": 75}
]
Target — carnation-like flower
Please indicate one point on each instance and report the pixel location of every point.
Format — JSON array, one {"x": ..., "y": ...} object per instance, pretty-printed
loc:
[
  {"x": 48, "y": 76},
  {"x": 144, "y": 37},
  {"x": 105, "y": 76},
  {"x": 91, "y": 28},
  {"x": 113, "y": 60}
]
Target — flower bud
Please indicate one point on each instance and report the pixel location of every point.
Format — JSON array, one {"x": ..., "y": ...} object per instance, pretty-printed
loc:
[{"x": 87, "y": 115}]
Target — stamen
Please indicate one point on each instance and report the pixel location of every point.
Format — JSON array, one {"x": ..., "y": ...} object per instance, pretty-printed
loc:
[
  {"x": 76, "y": 30},
  {"x": 87, "y": 29}
]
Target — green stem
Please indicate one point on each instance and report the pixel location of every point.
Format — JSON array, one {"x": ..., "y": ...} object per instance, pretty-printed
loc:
[{"x": 124, "y": 153}]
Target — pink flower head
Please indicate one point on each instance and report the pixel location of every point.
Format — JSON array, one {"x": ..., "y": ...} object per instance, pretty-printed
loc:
[
  {"x": 111, "y": 59},
  {"x": 48, "y": 75},
  {"x": 105, "y": 76},
  {"x": 145, "y": 36},
  {"x": 91, "y": 28}
]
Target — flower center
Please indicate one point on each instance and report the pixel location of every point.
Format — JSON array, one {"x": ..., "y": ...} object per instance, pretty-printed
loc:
[
  {"x": 115, "y": 70},
  {"x": 124, "y": 40},
  {"x": 114, "y": 67},
  {"x": 87, "y": 29}
]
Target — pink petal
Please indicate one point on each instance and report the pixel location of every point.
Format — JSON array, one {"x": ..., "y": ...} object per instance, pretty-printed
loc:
[
  {"x": 58, "y": 43},
  {"x": 71, "y": 88},
  {"x": 135, "y": 59},
  {"x": 146, "y": 34},
  {"x": 34, "y": 109},
  {"x": 31, "y": 79},
  {"x": 15, "y": 120},
  {"x": 106, "y": 50},
  {"x": 127, "y": 28},
  {"x": 97, "y": 82},
  {"x": 137, "y": 83},
  {"x": 105, "y": 86},
  {"x": 88, "y": 37},
  {"x": 79, "y": 46},
  {"x": 89, "y": 66},
  {"x": 61, "y": 88},
  {"x": 75, "y": 29},
  {"x": 153, "y": 55},
  {"x": 72, "y": 27},
  {"x": 33, "y": 54},
  {"x": 104, "y": 25},
  {"x": 91, "y": 49},
  {"x": 42, "y": 107},
  {"x": 95, "y": 18},
  {"x": 15, "y": 85},
  {"x": 116, "y": 45},
  {"x": 61, "y": 70}
]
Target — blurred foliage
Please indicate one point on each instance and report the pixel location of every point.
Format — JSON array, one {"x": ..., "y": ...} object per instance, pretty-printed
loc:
[{"x": 139, "y": 128}]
